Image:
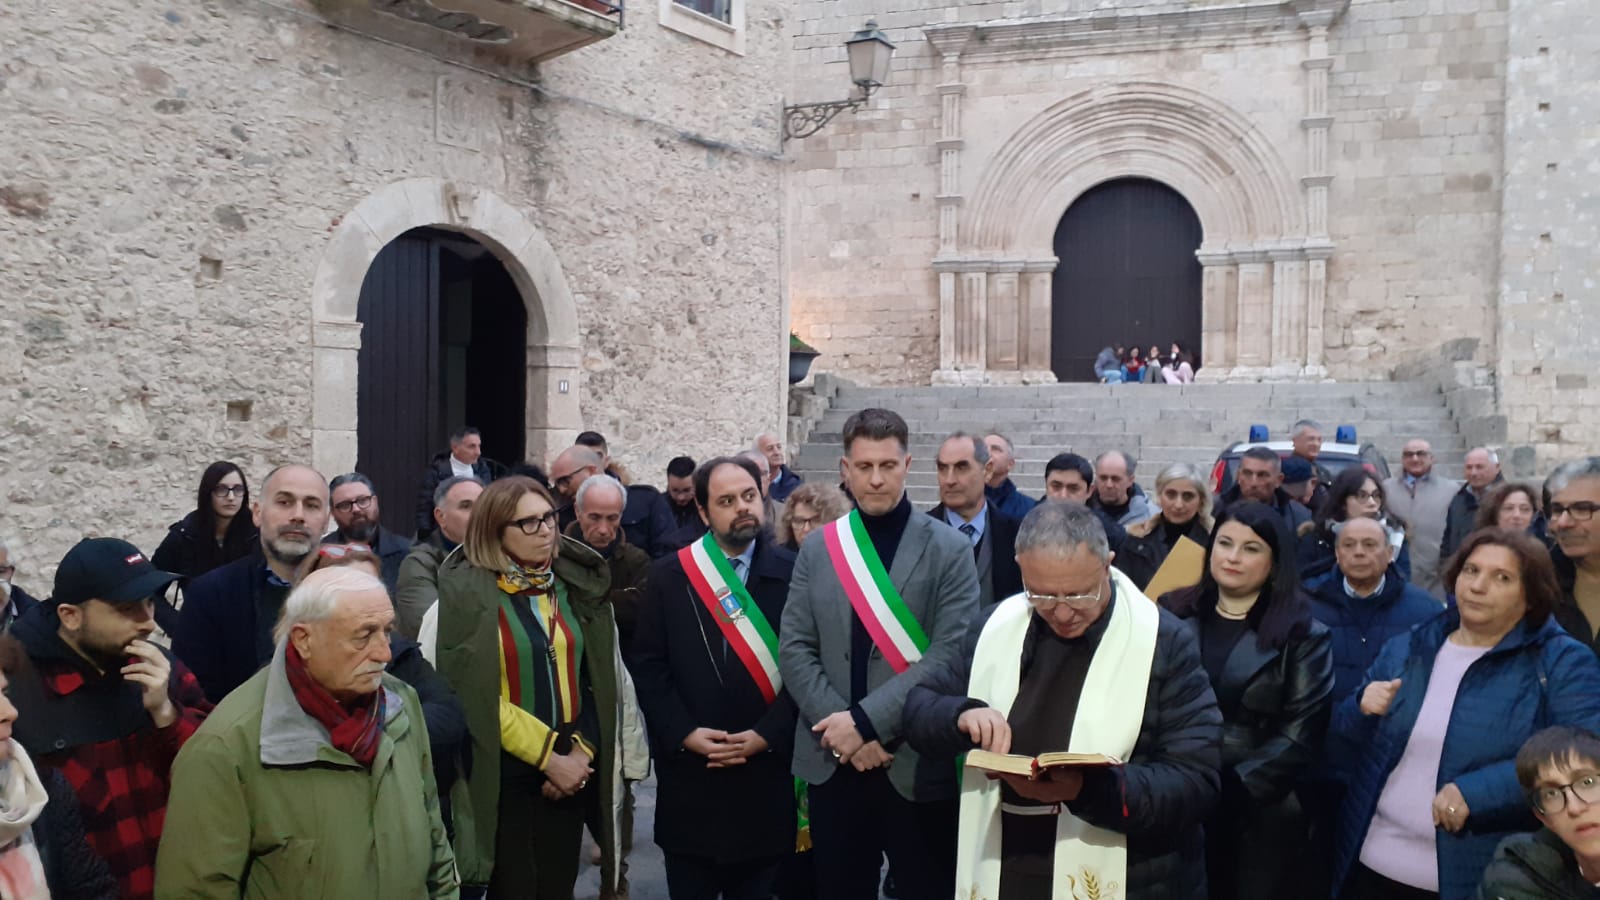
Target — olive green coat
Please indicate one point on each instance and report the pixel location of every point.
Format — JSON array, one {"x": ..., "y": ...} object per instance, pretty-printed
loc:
[
  {"x": 468, "y": 655},
  {"x": 296, "y": 818}
]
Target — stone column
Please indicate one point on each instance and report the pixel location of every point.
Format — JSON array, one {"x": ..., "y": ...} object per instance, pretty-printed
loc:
[
  {"x": 1003, "y": 351},
  {"x": 334, "y": 383},
  {"x": 972, "y": 325},
  {"x": 1288, "y": 312},
  {"x": 1219, "y": 314},
  {"x": 1316, "y": 124},
  {"x": 1253, "y": 348},
  {"x": 553, "y": 371},
  {"x": 1316, "y": 298},
  {"x": 1038, "y": 301},
  {"x": 957, "y": 296}
]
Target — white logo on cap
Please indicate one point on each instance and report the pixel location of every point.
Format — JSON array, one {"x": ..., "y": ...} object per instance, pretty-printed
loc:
[{"x": 136, "y": 558}]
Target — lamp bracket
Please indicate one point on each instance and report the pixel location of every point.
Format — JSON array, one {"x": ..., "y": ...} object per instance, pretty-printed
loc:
[{"x": 805, "y": 119}]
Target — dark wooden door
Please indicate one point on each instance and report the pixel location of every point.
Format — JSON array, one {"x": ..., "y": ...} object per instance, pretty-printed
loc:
[
  {"x": 443, "y": 344},
  {"x": 397, "y": 398},
  {"x": 1127, "y": 275}
]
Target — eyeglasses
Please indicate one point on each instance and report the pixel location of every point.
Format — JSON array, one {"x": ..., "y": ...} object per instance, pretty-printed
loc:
[
  {"x": 560, "y": 482},
  {"x": 224, "y": 491},
  {"x": 1416, "y": 454},
  {"x": 1048, "y": 602},
  {"x": 1368, "y": 495},
  {"x": 1553, "y": 799},
  {"x": 535, "y": 524},
  {"x": 1582, "y": 511},
  {"x": 345, "y": 506}
]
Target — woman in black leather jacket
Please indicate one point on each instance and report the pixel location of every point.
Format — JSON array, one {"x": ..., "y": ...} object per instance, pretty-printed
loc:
[{"x": 1271, "y": 666}]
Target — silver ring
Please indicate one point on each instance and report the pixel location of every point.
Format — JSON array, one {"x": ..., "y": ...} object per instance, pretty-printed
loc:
[
  {"x": 1450, "y": 809},
  {"x": 836, "y": 755},
  {"x": 585, "y": 783}
]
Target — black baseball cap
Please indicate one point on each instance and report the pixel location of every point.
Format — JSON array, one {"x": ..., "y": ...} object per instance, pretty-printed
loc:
[{"x": 107, "y": 569}]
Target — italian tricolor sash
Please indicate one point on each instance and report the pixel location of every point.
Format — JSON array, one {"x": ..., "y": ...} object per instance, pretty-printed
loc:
[
  {"x": 889, "y": 622},
  {"x": 733, "y": 609}
]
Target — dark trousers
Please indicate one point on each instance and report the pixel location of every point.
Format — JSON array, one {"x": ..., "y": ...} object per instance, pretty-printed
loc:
[
  {"x": 1365, "y": 884},
  {"x": 858, "y": 817},
  {"x": 697, "y": 878},
  {"x": 536, "y": 843}
]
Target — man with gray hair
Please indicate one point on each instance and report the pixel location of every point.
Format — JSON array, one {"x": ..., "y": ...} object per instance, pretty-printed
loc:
[
  {"x": 15, "y": 600},
  {"x": 1572, "y": 495},
  {"x": 998, "y": 486},
  {"x": 418, "y": 586},
  {"x": 781, "y": 480},
  {"x": 355, "y": 511},
  {"x": 1116, "y": 493},
  {"x": 599, "y": 504},
  {"x": 1482, "y": 470},
  {"x": 1103, "y": 671},
  {"x": 1306, "y": 438},
  {"x": 646, "y": 516},
  {"x": 963, "y": 466},
  {"x": 322, "y": 745}
]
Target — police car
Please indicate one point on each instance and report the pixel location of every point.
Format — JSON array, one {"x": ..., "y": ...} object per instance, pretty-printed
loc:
[{"x": 1336, "y": 455}]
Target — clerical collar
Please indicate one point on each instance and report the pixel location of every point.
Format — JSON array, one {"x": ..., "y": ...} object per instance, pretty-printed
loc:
[
  {"x": 1350, "y": 590},
  {"x": 979, "y": 521}
]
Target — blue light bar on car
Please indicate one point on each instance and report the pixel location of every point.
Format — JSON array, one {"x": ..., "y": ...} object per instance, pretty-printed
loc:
[
  {"x": 1345, "y": 434},
  {"x": 1258, "y": 434}
]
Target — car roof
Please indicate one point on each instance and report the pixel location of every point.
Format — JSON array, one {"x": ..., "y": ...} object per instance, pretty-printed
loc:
[{"x": 1330, "y": 448}]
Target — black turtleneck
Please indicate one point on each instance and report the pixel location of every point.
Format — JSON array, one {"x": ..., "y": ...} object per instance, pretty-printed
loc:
[
  {"x": 1170, "y": 532},
  {"x": 885, "y": 532}
]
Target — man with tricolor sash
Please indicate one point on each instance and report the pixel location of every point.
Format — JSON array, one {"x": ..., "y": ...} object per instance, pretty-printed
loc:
[
  {"x": 1079, "y": 662},
  {"x": 705, "y": 662},
  {"x": 879, "y": 599}
]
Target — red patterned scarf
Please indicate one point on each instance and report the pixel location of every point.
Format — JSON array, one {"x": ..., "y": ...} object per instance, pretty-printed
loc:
[{"x": 355, "y": 730}]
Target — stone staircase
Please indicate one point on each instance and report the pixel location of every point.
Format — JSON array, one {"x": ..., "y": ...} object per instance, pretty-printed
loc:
[{"x": 1156, "y": 424}]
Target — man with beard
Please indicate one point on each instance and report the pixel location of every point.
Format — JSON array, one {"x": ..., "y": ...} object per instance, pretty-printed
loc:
[
  {"x": 225, "y": 631},
  {"x": 721, "y": 724},
  {"x": 101, "y": 704},
  {"x": 355, "y": 511},
  {"x": 680, "y": 492}
]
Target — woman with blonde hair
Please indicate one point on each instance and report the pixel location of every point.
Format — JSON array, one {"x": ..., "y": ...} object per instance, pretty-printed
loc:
[
  {"x": 809, "y": 506},
  {"x": 1185, "y": 512},
  {"x": 526, "y": 638}
]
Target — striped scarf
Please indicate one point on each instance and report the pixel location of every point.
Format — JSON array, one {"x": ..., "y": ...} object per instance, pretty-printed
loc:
[{"x": 542, "y": 668}]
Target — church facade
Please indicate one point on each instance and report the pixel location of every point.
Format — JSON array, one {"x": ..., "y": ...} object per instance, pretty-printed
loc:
[{"x": 1297, "y": 190}]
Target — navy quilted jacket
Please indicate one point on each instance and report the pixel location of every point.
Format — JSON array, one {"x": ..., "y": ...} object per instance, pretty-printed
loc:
[{"x": 1535, "y": 677}]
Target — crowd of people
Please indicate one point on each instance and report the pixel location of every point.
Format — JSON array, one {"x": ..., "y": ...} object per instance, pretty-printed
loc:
[
  {"x": 1116, "y": 364},
  {"x": 1313, "y": 685}
]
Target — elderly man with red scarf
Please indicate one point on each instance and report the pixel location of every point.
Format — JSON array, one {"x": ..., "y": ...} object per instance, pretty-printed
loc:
[{"x": 314, "y": 778}]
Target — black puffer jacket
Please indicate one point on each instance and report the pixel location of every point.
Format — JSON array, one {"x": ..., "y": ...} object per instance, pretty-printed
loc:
[
  {"x": 190, "y": 553},
  {"x": 1535, "y": 866},
  {"x": 1146, "y": 547},
  {"x": 1170, "y": 783},
  {"x": 72, "y": 870}
]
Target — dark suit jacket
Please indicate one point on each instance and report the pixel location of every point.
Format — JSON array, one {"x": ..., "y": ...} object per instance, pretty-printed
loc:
[
  {"x": 687, "y": 679},
  {"x": 999, "y": 576},
  {"x": 219, "y": 635},
  {"x": 392, "y": 550},
  {"x": 935, "y": 576}
]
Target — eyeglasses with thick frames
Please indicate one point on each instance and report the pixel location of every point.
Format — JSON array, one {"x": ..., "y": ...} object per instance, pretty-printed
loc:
[
  {"x": 345, "y": 506},
  {"x": 1552, "y": 799},
  {"x": 1582, "y": 511},
  {"x": 224, "y": 491},
  {"x": 1048, "y": 602},
  {"x": 535, "y": 524}
]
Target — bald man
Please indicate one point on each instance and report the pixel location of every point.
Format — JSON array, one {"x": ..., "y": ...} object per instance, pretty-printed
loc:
[{"x": 225, "y": 631}]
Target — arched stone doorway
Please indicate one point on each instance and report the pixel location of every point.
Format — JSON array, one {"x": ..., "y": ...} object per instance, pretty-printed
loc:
[
  {"x": 1127, "y": 274},
  {"x": 551, "y": 415},
  {"x": 442, "y": 346}
]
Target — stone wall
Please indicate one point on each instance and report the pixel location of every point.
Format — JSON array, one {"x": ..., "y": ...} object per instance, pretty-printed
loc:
[
  {"x": 1410, "y": 163},
  {"x": 172, "y": 175},
  {"x": 1549, "y": 302}
]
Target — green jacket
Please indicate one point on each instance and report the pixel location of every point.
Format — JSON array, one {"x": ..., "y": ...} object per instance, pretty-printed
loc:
[
  {"x": 291, "y": 817},
  {"x": 467, "y": 650},
  {"x": 417, "y": 587},
  {"x": 1535, "y": 866}
]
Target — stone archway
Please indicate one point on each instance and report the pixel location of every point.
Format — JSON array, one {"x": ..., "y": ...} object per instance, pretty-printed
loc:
[
  {"x": 553, "y": 351},
  {"x": 1264, "y": 251}
]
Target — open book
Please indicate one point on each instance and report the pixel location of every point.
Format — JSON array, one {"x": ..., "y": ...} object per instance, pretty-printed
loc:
[{"x": 1031, "y": 766}]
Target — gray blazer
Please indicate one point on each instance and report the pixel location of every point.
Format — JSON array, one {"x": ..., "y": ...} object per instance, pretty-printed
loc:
[{"x": 934, "y": 573}]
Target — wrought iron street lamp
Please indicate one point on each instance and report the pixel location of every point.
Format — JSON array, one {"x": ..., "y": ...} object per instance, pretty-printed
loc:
[{"x": 869, "y": 54}]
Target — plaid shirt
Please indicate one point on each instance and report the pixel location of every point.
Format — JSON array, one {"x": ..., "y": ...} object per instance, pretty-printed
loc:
[{"x": 122, "y": 784}]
